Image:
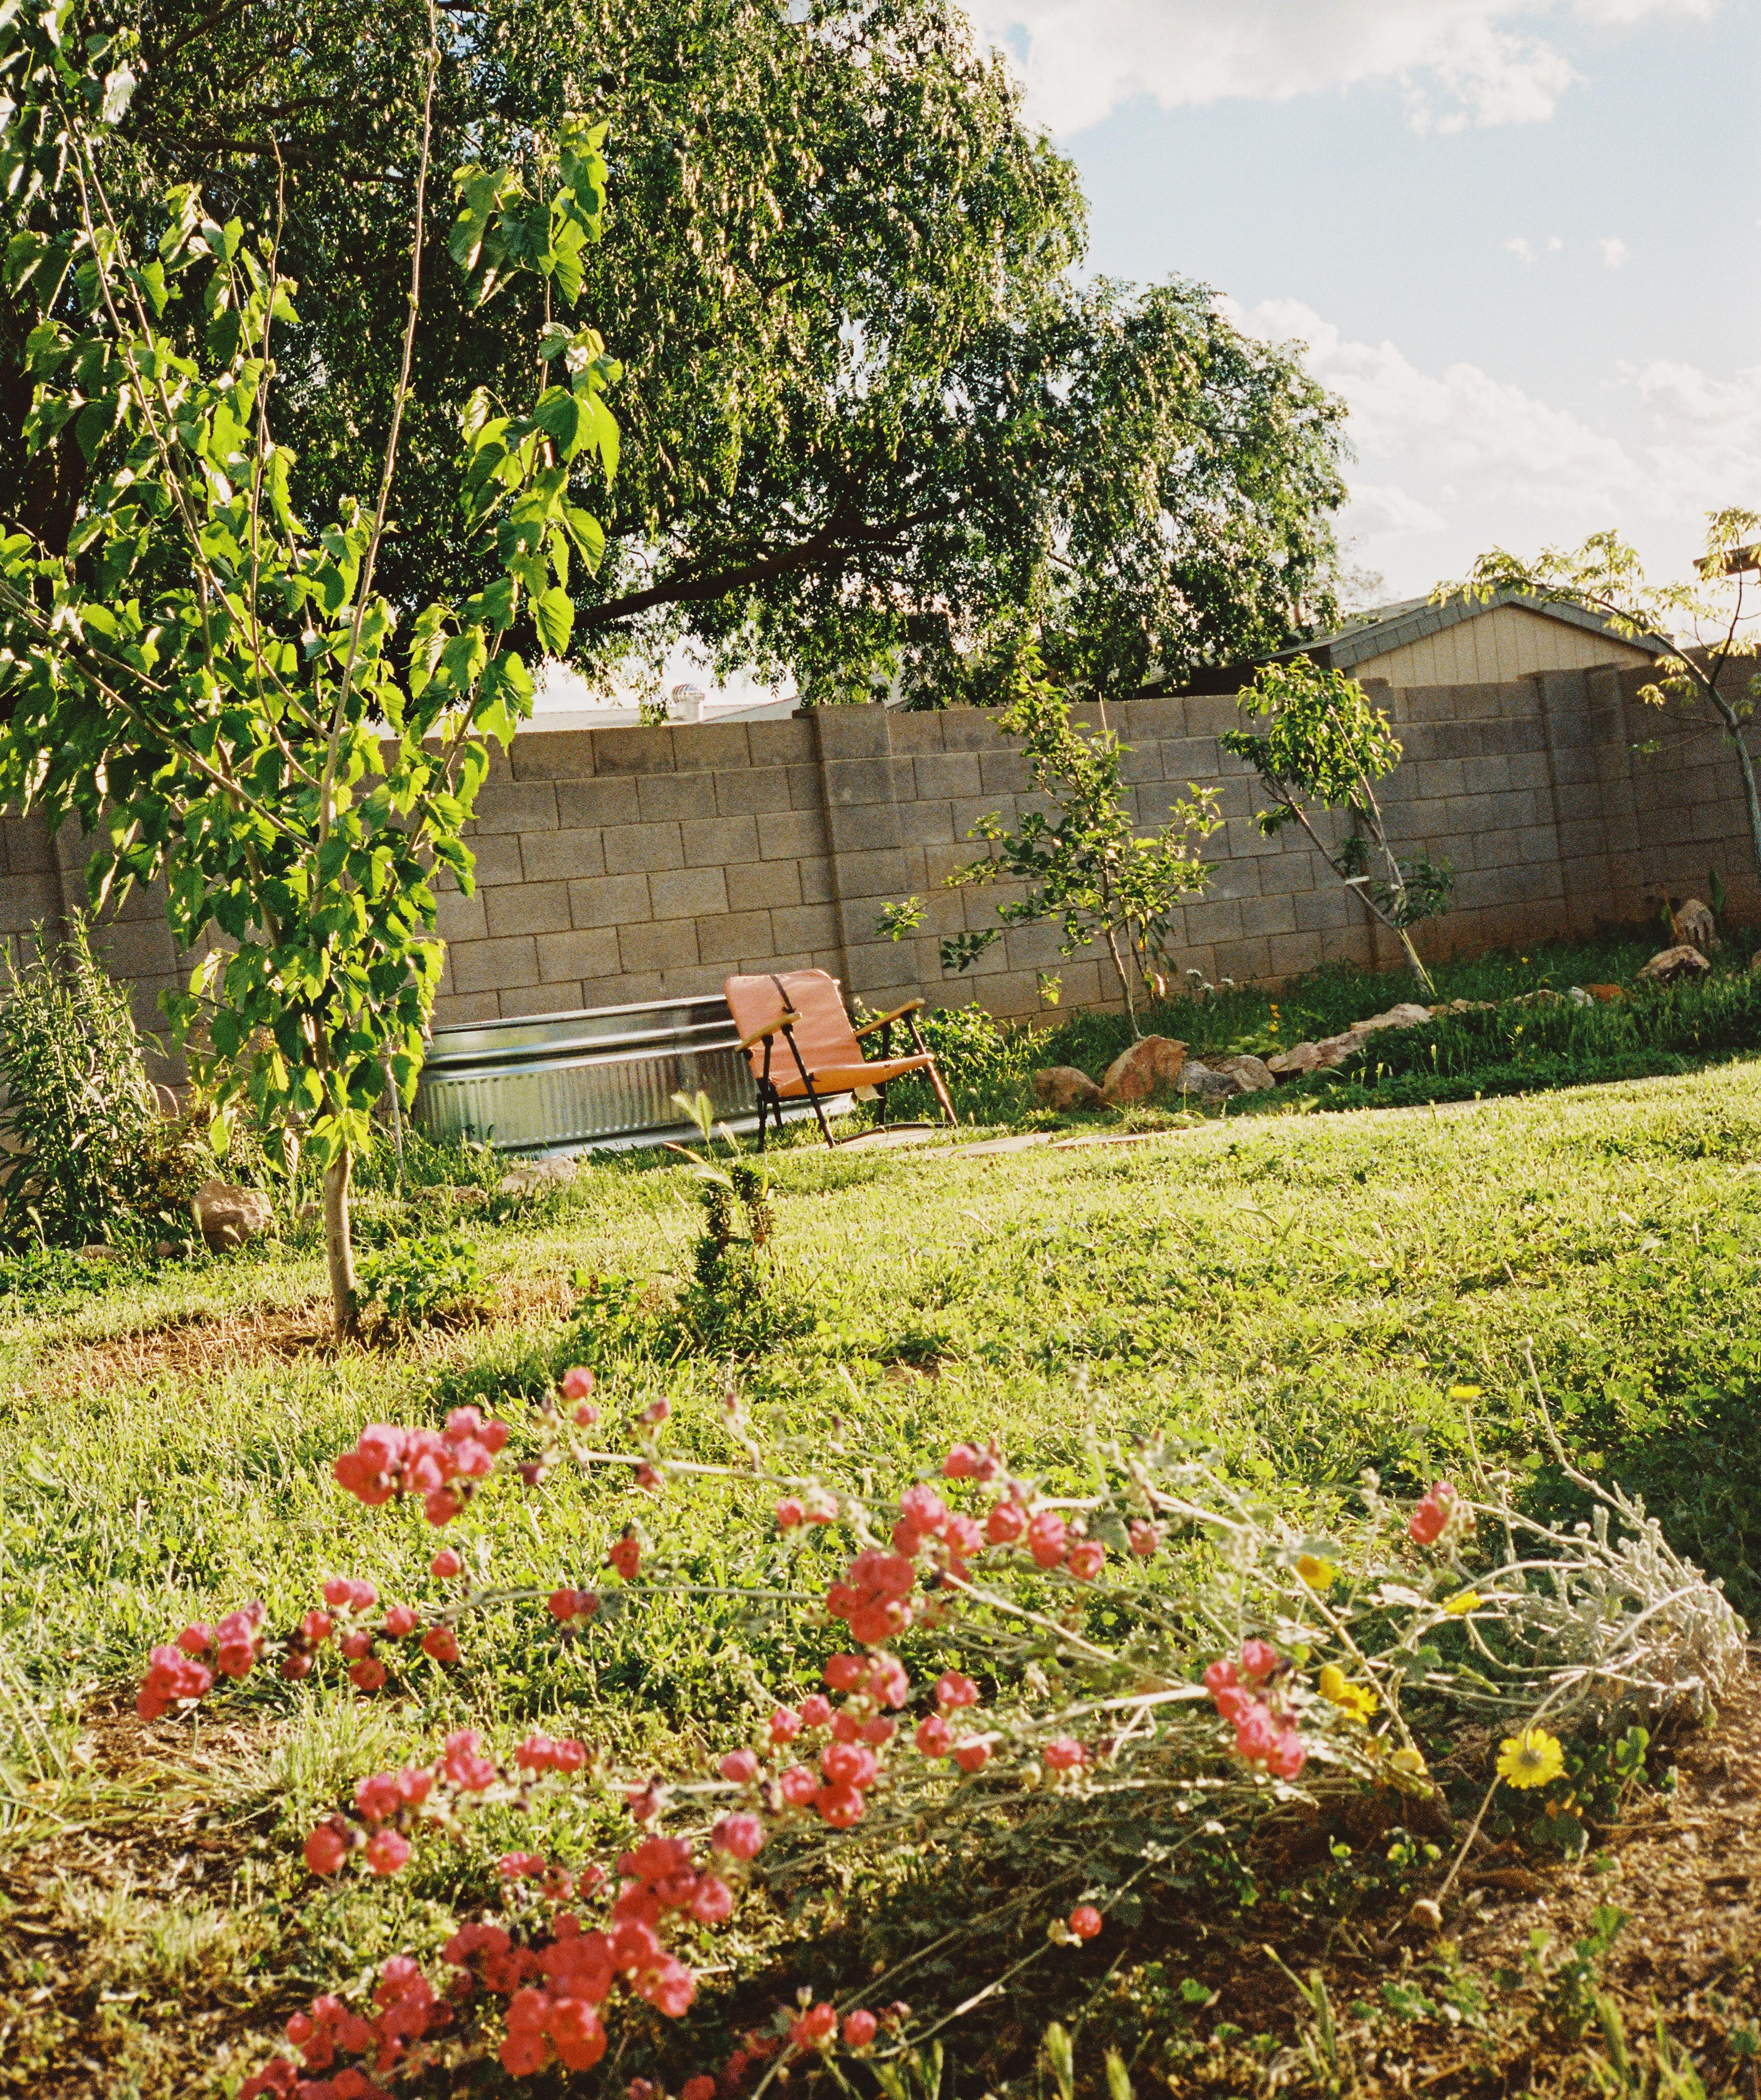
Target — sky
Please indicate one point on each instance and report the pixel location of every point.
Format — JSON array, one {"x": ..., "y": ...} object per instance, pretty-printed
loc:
[{"x": 1522, "y": 238}]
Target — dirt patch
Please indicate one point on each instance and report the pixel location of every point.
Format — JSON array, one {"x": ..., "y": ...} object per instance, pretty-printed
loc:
[{"x": 191, "y": 1346}]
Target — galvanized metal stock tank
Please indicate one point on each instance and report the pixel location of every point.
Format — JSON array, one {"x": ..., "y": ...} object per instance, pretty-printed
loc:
[{"x": 603, "y": 1077}]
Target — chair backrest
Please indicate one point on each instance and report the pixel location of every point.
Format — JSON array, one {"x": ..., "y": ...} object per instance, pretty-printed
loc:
[{"x": 823, "y": 1034}]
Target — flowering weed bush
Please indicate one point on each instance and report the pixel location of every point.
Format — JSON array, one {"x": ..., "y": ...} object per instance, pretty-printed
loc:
[{"x": 1001, "y": 1664}]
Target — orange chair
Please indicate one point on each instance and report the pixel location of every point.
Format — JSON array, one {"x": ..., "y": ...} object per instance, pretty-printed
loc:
[{"x": 824, "y": 1053}]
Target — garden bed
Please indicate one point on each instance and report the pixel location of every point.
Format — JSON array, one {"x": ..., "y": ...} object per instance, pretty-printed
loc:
[{"x": 1303, "y": 1297}]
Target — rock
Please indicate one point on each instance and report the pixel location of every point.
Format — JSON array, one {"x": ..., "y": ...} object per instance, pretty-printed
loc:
[
  {"x": 1295, "y": 1063},
  {"x": 98, "y": 1251},
  {"x": 1463, "y": 1006},
  {"x": 1063, "y": 1087},
  {"x": 1336, "y": 1050},
  {"x": 463, "y": 1195},
  {"x": 1404, "y": 1015},
  {"x": 1604, "y": 992},
  {"x": 1209, "y": 1085},
  {"x": 1670, "y": 964},
  {"x": 535, "y": 1176},
  {"x": 1695, "y": 927},
  {"x": 1755, "y": 962},
  {"x": 1578, "y": 996},
  {"x": 226, "y": 1216},
  {"x": 1253, "y": 1075},
  {"x": 1152, "y": 1065}
]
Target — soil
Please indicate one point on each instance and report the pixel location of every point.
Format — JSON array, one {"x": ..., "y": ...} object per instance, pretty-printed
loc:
[{"x": 1684, "y": 1863}]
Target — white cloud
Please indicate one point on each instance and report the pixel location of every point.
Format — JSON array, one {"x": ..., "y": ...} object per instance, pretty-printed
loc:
[
  {"x": 1458, "y": 61},
  {"x": 1520, "y": 248},
  {"x": 1615, "y": 253},
  {"x": 1451, "y": 462}
]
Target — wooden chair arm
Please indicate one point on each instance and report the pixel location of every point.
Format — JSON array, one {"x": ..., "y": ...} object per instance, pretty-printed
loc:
[
  {"x": 886, "y": 1019},
  {"x": 769, "y": 1028}
]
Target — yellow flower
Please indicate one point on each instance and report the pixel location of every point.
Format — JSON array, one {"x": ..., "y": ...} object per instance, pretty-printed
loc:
[
  {"x": 1409, "y": 1761},
  {"x": 1338, "y": 1691},
  {"x": 1317, "y": 1574},
  {"x": 1467, "y": 1600},
  {"x": 1464, "y": 1392},
  {"x": 1530, "y": 1759}
]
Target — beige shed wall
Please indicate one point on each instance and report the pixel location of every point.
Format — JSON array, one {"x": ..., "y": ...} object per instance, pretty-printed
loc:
[{"x": 1504, "y": 641}]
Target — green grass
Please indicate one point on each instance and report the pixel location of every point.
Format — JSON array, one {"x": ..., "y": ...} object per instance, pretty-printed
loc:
[
  {"x": 1518, "y": 1045},
  {"x": 1300, "y": 1294}
]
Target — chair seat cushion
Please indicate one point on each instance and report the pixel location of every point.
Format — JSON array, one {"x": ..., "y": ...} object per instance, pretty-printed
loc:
[{"x": 836, "y": 1078}]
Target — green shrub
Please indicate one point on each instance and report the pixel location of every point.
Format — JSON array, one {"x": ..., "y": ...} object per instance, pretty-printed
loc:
[
  {"x": 80, "y": 1111},
  {"x": 413, "y": 1281}
]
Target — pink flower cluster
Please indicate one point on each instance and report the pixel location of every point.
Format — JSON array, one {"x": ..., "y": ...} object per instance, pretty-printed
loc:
[
  {"x": 1265, "y": 1733},
  {"x": 1436, "y": 1512},
  {"x": 442, "y": 1466},
  {"x": 389, "y": 1804},
  {"x": 935, "y": 1737},
  {"x": 407, "y": 2010}
]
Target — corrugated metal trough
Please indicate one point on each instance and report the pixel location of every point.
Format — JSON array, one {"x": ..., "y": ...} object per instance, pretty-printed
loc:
[{"x": 603, "y": 1077}]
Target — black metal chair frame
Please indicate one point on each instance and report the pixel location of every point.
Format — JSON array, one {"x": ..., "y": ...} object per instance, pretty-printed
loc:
[{"x": 770, "y": 1099}]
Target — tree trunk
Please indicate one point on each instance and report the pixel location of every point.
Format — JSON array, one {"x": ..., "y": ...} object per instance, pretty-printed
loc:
[
  {"x": 339, "y": 1244},
  {"x": 1124, "y": 978},
  {"x": 1751, "y": 798},
  {"x": 1418, "y": 969}
]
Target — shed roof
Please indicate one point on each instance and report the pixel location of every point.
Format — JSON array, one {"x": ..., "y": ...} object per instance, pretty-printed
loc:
[{"x": 1367, "y": 635}]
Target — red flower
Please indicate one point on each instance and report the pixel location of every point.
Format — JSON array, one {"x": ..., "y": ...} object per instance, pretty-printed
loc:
[
  {"x": 388, "y": 1851},
  {"x": 815, "y": 2027},
  {"x": 739, "y": 1765},
  {"x": 1007, "y": 1523},
  {"x": 1085, "y": 1921},
  {"x": 1064, "y": 1753},
  {"x": 625, "y": 1556},
  {"x": 1088, "y": 1557},
  {"x": 442, "y": 1643},
  {"x": 1048, "y": 1539},
  {"x": 859, "y": 2028},
  {"x": 327, "y": 1847},
  {"x": 972, "y": 1755},
  {"x": 790, "y": 1511}
]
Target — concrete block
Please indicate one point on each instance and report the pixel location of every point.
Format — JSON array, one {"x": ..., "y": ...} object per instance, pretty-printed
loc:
[
  {"x": 633, "y": 848},
  {"x": 817, "y": 885},
  {"x": 586, "y": 806},
  {"x": 527, "y": 907},
  {"x": 710, "y": 747},
  {"x": 725, "y": 842},
  {"x": 1004, "y": 773},
  {"x": 871, "y": 873},
  {"x": 496, "y": 858},
  {"x": 494, "y": 965},
  {"x": 579, "y": 954},
  {"x": 806, "y": 785},
  {"x": 514, "y": 806},
  {"x": 744, "y": 791},
  {"x": 563, "y": 856},
  {"x": 973, "y": 729},
  {"x": 613, "y": 900},
  {"x": 551, "y": 754},
  {"x": 460, "y": 918},
  {"x": 669, "y": 945},
  {"x": 780, "y": 743},
  {"x": 623, "y": 990},
  {"x": 764, "y": 884},
  {"x": 807, "y": 926},
  {"x": 852, "y": 733},
  {"x": 462, "y": 1009},
  {"x": 945, "y": 774},
  {"x": 640, "y": 751},
  {"x": 867, "y": 828},
  {"x": 925, "y": 823},
  {"x": 671, "y": 796},
  {"x": 791, "y": 835},
  {"x": 688, "y": 892},
  {"x": 554, "y": 996},
  {"x": 735, "y": 938},
  {"x": 856, "y": 780},
  {"x": 916, "y": 730}
]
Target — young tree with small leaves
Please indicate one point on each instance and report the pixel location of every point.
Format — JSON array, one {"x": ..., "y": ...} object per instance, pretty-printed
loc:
[
  {"x": 1319, "y": 743},
  {"x": 216, "y": 692},
  {"x": 1086, "y": 866},
  {"x": 1720, "y": 610}
]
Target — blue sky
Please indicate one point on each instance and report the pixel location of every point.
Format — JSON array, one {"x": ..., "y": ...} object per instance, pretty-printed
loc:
[{"x": 1522, "y": 237}]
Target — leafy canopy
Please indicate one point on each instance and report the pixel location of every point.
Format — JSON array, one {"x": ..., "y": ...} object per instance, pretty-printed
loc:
[
  {"x": 1319, "y": 743},
  {"x": 225, "y": 695},
  {"x": 1086, "y": 867},
  {"x": 870, "y": 402}
]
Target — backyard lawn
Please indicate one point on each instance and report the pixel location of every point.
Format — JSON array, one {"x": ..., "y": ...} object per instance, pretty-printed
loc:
[{"x": 1299, "y": 1295}]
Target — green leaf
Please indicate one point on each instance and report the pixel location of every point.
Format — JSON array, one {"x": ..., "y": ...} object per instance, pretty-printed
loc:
[{"x": 553, "y": 615}]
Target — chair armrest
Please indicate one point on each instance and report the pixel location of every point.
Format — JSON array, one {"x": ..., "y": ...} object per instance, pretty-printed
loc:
[
  {"x": 898, "y": 1012},
  {"x": 769, "y": 1028}
]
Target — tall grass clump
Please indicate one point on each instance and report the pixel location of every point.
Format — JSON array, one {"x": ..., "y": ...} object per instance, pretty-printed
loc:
[{"x": 80, "y": 1110}]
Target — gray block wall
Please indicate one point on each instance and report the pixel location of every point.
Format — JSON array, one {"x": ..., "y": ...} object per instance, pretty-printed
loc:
[{"x": 616, "y": 866}]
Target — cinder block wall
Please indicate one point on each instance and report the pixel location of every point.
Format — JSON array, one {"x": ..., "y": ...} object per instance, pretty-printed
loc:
[{"x": 617, "y": 865}]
